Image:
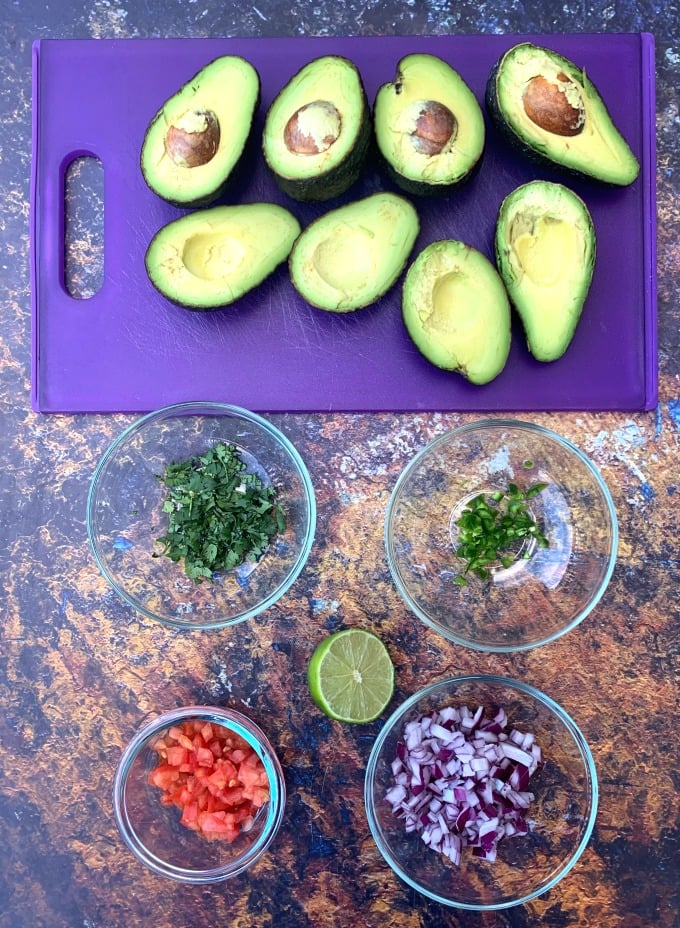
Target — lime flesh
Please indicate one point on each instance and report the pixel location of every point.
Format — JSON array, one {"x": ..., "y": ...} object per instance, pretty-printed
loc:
[{"x": 351, "y": 676}]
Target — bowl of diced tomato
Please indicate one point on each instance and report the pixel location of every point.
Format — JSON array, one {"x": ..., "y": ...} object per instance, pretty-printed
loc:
[{"x": 199, "y": 794}]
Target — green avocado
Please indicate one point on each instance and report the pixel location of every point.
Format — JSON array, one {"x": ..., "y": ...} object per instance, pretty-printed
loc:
[
  {"x": 197, "y": 137},
  {"x": 349, "y": 257},
  {"x": 456, "y": 310},
  {"x": 549, "y": 109},
  {"x": 545, "y": 252},
  {"x": 317, "y": 131},
  {"x": 429, "y": 127},
  {"x": 210, "y": 258}
]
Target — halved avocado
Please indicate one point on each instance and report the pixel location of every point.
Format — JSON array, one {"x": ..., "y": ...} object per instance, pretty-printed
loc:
[
  {"x": 456, "y": 310},
  {"x": 318, "y": 129},
  {"x": 352, "y": 255},
  {"x": 545, "y": 252},
  {"x": 211, "y": 258},
  {"x": 197, "y": 137},
  {"x": 429, "y": 126},
  {"x": 549, "y": 109}
]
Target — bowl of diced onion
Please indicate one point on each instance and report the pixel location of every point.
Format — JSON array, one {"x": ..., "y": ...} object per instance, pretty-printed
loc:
[
  {"x": 199, "y": 794},
  {"x": 201, "y": 515},
  {"x": 481, "y": 792}
]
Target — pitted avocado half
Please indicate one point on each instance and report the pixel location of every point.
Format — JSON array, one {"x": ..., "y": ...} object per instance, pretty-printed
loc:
[
  {"x": 352, "y": 255},
  {"x": 549, "y": 109},
  {"x": 318, "y": 129},
  {"x": 545, "y": 252},
  {"x": 212, "y": 257},
  {"x": 456, "y": 310},
  {"x": 429, "y": 126},
  {"x": 197, "y": 137}
]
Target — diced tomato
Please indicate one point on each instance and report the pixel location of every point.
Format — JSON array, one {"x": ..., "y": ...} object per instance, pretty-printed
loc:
[
  {"x": 213, "y": 776},
  {"x": 205, "y": 757},
  {"x": 176, "y": 755}
]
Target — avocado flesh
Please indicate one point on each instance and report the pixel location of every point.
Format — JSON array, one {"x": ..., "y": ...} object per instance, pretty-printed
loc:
[
  {"x": 581, "y": 137},
  {"x": 317, "y": 130},
  {"x": 211, "y": 258},
  {"x": 405, "y": 121},
  {"x": 456, "y": 311},
  {"x": 213, "y": 112},
  {"x": 349, "y": 257},
  {"x": 545, "y": 248}
]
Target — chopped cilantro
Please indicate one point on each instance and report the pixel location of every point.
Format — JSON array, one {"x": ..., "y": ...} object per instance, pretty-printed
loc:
[{"x": 219, "y": 514}]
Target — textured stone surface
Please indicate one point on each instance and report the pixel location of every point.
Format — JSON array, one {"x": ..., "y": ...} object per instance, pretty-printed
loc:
[{"x": 79, "y": 672}]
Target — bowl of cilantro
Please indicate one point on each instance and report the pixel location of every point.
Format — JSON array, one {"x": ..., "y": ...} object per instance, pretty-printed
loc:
[
  {"x": 501, "y": 535},
  {"x": 201, "y": 515}
]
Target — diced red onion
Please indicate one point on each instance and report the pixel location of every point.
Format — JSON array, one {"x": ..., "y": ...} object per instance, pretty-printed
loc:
[{"x": 460, "y": 779}]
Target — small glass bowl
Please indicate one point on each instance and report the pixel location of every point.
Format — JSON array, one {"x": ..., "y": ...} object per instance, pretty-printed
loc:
[
  {"x": 124, "y": 516},
  {"x": 564, "y": 809},
  {"x": 153, "y": 832},
  {"x": 544, "y": 592}
]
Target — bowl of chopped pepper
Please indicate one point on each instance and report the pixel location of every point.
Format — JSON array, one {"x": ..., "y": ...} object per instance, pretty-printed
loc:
[
  {"x": 199, "y": 794},
  {"x": 501, "y": 535},
  {"x": 201, "y": 515},
  {"x": 481, "y": 792}
]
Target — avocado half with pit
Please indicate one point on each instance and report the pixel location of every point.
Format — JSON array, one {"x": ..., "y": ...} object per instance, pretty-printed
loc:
[
  {"x": 351, "y": 256},
  {"x": 429, "y": 126},
  {"x": 545, "y": 249},
  {"x": 456, "y": 310},
  {"x": 318, "y": 129},
  {"x": 210, "y": 258},
  {"x": 197, "y": 137},
  {"x": 550, "y": 110}
]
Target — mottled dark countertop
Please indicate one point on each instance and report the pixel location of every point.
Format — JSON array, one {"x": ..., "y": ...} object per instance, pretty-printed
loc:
[{"x": 79, "y": 671}]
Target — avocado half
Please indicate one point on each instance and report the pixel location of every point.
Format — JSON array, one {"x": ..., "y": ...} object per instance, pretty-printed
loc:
[
  {"x": 456, "y": 310},
  {"x": 429, "y": 126},
  {"x": 317, "y": 131},
  {"x": 197, "y": 137},
  {"x": 349, "y": 257},
  {"x": 545, "y": 249},
  {"x": 547, "y": 107},
  {"x": 212, "y": 257}
]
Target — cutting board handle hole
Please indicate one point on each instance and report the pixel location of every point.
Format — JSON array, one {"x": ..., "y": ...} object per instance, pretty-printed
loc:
[{"x": 84, "y": 226}]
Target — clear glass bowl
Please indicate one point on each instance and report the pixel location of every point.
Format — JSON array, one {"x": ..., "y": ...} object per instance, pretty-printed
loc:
[
  {"x": 124, "y": 515},
  {"x": 564, "y": 809},
  {"x": 153, "y": 832},
  {"x": 544, "y": 592}
]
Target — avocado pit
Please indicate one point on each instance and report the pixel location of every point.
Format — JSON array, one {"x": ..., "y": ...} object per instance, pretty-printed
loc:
[
  {"x": 434, "y": 126},
  {"x": 193, "y": 139},
  {"x": 313, "y": 129},
  {"x": 556, "y": 107}
]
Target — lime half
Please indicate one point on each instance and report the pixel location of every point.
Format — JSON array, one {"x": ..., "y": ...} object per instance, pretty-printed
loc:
[{"x": 351, "y": 676}]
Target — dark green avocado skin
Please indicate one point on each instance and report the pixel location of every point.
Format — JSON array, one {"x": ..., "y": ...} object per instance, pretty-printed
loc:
[
  {"x": 416, "y": 188},
  {"x": 517, "y": 143},
  {"x": 236, "y": 172},
  {"x": 338, "y": 179},
  {"x": 229, "y": 183}
]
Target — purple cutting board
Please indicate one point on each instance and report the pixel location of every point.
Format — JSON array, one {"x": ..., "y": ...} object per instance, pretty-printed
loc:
[{"x": 126, "y": 349}]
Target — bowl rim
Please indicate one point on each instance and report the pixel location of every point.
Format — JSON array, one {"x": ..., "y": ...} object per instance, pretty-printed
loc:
[
  {"x": 198, "y": 408},
  {"x": 499, "y": 423},
  {"x": 250, "y": 732},
  {"x": 526, "y": 688}
]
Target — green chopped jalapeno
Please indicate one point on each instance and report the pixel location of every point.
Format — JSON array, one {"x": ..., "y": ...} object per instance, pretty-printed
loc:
[
  {"x": 492, "y": 529},
  {"x": 219, "y": 514}
]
